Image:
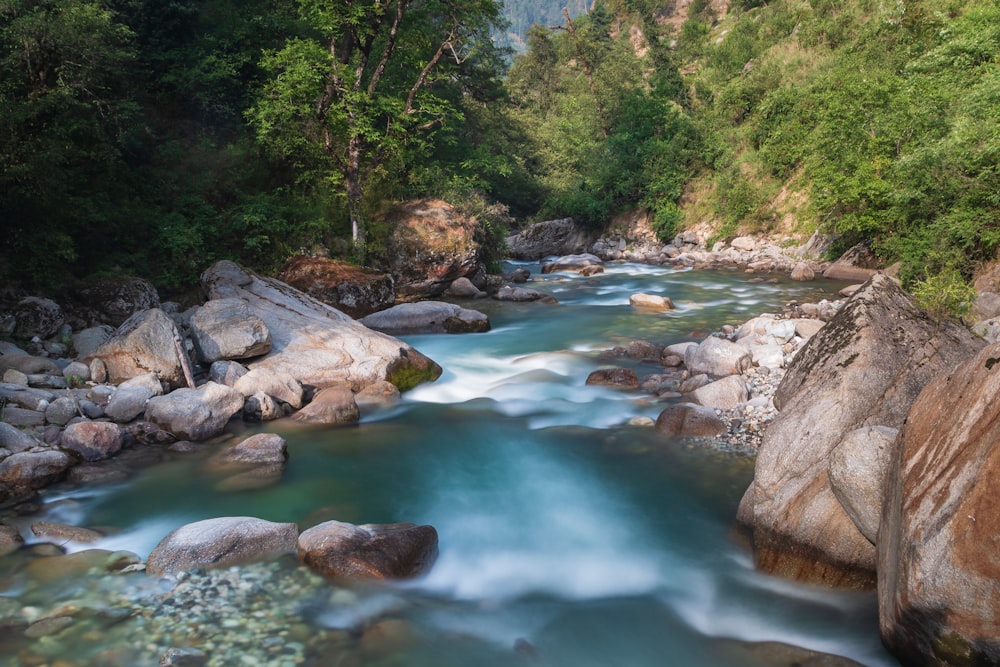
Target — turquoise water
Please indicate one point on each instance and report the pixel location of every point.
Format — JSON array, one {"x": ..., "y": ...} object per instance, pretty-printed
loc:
[{"x": 563, "y": 531}]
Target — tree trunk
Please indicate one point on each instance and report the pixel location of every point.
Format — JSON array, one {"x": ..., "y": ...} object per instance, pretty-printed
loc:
[{"x": 355, "y": 201}]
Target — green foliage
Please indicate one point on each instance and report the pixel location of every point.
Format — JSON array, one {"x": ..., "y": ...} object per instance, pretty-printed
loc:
[{"x": 945, "y": 295}]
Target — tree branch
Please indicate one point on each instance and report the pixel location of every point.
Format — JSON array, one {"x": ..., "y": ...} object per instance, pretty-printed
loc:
[
  {"x": 418, "y": 84},
  {"x": 390, "y": 45}
]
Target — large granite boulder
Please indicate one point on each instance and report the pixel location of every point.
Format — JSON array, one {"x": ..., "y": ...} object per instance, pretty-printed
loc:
[
  {"x": 427, "y": 317},
  {"x": 431, "y": 245},
  {"x": 717, "y": 357},
  {"x": 348, "y": 288},
  {"x": 939, "y": 544},
  {"x": 88, "y": 340},
  {"x": 129, "y": 399},
  {"x": 144, "y": 343},
  {"x": 551, "y": 237},
  {"x": 221, "y": 542},
  {"x": 195, "y": 414},
  {"x": 864, "y": 368},
  {"x": 725, "y": 394},
  {"x": 858, "y": 264},
  {"x": 372, "y": 551},
  {"x": 689, "y": 420},
  {"x": 271, "y": 382},
  {"x": 225, "y": 329},
  {"x": 314, "y": 343},
  {"x": 331, "y": 406},
  {"x": 23, "y": 473},
  {"x": 93, "y": 441}
]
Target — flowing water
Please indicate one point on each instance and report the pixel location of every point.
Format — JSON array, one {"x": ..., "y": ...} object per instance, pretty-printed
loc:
[{"x": 564, "y": 532}]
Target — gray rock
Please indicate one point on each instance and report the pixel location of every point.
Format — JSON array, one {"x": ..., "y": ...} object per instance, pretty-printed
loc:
[
  {"x": 273, "y": 382},
  {"x": 14, "y": 376},
  {"x": 29, "y": 365},
  {"x": 261, "y": 408},
  {"x": 694, "y": 382},
  {"x": 98, "y": 371},
  {"x": 725, "y": 394},
  {"x": 509, "y": 293},
  {"x": 259, "y": 449},
  {"x": 551, "y": 237},
  {"x": 226, "y": 372},
  {"x": 427, "y": 317},
  {"x": 371, "y": 551},
  {"x": 221, "y": 542},
  {"x": 803, "y": 272},
  {"x": 578, "y": 263},
  {"x": 718, "y": 357},
  {"x": 689, "y": 420},
  {"x": 986, "y": 306},
  {"x": 115, "y": 299},
  {"x": 129, "y": 400},
  {"x": 195, "y": 414},
  {"x": 144, "y": 343},
  {"x": 183, "y": 657},
  {"x": 37, "y": 317},
  {"x": 76, "y": 372},
  {"x": 332, "y": 406},
  {"x": 88, "y": 340},
  {"x": 858, "y": 469},
  {"x": 865, "y": 367},
  {"x": 60, "y": 411},
  {"x": 23, "y": 418},
  {"x": 225, "y": 329},
  {"x": 314, "y": 343},
  {"x": 93, "y": 441},
  {"x": 858, "y": 264},
  {"x": 25, "y": 397},
  {"x": 462, "y": 288},
  {"x": 15, "y": 440},
  {"x": 23, "y": 473}
]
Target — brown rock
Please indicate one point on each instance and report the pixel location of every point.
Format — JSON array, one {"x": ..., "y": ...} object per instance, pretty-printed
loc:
[
  {"x": 573, "y": 263},
  {"x": 371, "y": 551},
  {"x": 93, "y": 441},
  {"x": 863, "y": 368},
  {"x": 620, "y": 378},
  {"x": 653, "y": 302},
  {"x": 23, "y": 473},
  {"x": 10, "y": 540},
  {"x": 689, "y": 420},
  {"x": 858, "y": 264},
  {"x": 221, "y": 542},
  {"x": 351, "y": 289},
  {"x": 939, "y": 545},
  {"x": 62, "y": 533},
  {"x": 331, "y": 406},
  {"x": 259, "y": 449}
]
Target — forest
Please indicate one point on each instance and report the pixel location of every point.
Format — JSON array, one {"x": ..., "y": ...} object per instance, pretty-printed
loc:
[{"x": 153, "y": 137}]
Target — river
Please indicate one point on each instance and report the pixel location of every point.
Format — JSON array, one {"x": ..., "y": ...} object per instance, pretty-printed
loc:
[{"x": 567, "y": 537}]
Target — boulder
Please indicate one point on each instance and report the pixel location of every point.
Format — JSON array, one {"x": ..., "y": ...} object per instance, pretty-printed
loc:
[
  {"x": 314, "y": 343},
  {"x": 93, "y": 441},
  {"x": 550, "y": 237},
  {"x": 129, "y": 399},
  {"x": 23, "y": 418},
  {"x": 29, "y": 365},
  {"x": 221, "y": 542},
  {"x": 15, "y": 440},
  {"x": 573, "y": 263},
  {"x": 431, "y": 246},
  {"x": 427, "y": 317},
  {"x": 61, "y": 532},
  {"x": 144, "y": 343},
  {"x": 275, "y": 383},
  {"x": 858, "y": 264},
  {"x": 226, "y": 372},
  {"x": 371, "y": 551},
  {"x": 88, "y": 340},
  {"x": 806, "y": 328},
  {"x": 986, "y": 306},
  {"x": 348, "y": 288},
  {"x": 803, "y": 272},
  {"x": 114, "y": 299},
  {"x": 717, "y": 357},
  {"x": 35, "y": 316},
  {"x": 724, "y": 394},
  {"x": 619, "y": 378},
  {"x": 331, "y": 406},
  {"x": 76, "y": 373},
  {"x": 508, "y": 293},
  {"x": 939, "y": 541},
  {"x": 262, "y": 407},
  {"x": 23, "y": 473},
  {"x": 377, "y": 395},
  {"x": 858, "y": 469},
  {"x": 61, "y": 410},
  {"x": 225, "y": 329},
  {"x": 195, "y": 414},
  {"x": 651, "y": 302},
  {"x": 10, "y": 540},
  {"x": 689, "y": 420},
  {"x": 257, "y": 450},
  {"x": 863, "y": 368},
  {"x": 463, "y": 288}
]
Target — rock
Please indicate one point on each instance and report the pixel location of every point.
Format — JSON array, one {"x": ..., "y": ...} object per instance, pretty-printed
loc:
[
  {"x": 572, "y": 263},
  {"x": 427, "y": 317},
  {"x": 462, "y": 288},
  {"x": 225, "y": 329},
  {"x": 93, "y": 441},
  {"x": 22, "y": 473},
  {"x": 98, "y": 371},
  {"x": 619, "y": 378},
  {"x": 371, "y": 551},
  {"x": 508, "y": 293},
  {"x": 744, "y": 243},
  {"x": 518, "y": 276},
  {"x": 377, "y": 395},
  {"x": 689, "y": 420},
  {"x": 14, "y": 376},
  {"x": 274, "y": 383},
  {"x": 144, "y": 343},
  {"x": 259, "y": 449},
  {"x": 858, "y": 264},
  {"x": 23, "y": 418},
  {"x": 803, "y": 272},
  {"x": 651, "y": 302},
  {"x": 986, "y": 306},
  {"x": 114, "y": 299},
  {"x": 261, "y": 407},
  {"x": 717, "y": 357},
  {"x": 694, "y": 382},
  {"x": 938, "y": 555},
  {"x": 431, "y": 245},
  {"x": 858, "y": 469},
  {"x": 332, "y": 406},
  {"x": 865, "y": 367},
  {"x": 183, "y": 657},
  {"x": 724, "y": 394},
  {"x": 39, "y": 317},
  {"x": 10, "y": 540},
  {"x": 258, "y": 477},
  {"x": 88, "y": 340},
  {"x": 76, "y": 373},
  {"x": 29, "y": 365},
  {"x": 15, "y": 440},
  {"x": 551, "y": 237},
  {"x": 226, "y": 372},
  {"x": 62, "y": 533},
  {"x": 60, "y": 411},
  {"x": 129, "y": 399},
  {"x": 807, "y": 328},
  {"x": 767, "y": 355},
  {"x": 351, "y": 289},
  {"x": 314, "y": 343},
  {"x": 221, "y": 542},
  {"x": 195, "y": 414}
]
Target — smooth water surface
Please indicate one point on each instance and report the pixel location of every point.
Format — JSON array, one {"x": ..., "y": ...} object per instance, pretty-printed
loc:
[{"x": 563, "y": 531}]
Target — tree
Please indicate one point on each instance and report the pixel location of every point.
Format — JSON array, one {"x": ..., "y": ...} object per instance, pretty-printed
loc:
[{"x": 369, "y": 79}]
